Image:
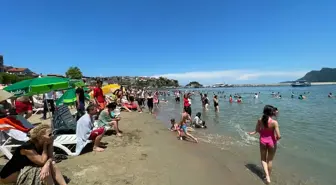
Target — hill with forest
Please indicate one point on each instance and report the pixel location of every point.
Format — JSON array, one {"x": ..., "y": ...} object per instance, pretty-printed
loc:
[
  {"x": 323, "y": 75},
  {"x": 194, "y": 84}
]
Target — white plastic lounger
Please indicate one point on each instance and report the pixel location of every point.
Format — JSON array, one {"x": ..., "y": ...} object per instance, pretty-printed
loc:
[
  {"x": 60, "y": 142},
  {"x": 7, "y": 142},
  {"x": 37, "y": 110},
  {"x": 38, "y": 105},
  {"x": 67, "y": 139}
]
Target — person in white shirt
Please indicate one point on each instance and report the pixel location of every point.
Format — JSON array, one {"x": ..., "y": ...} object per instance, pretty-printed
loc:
[
  {"x": 48, "y": 98},
  {"x": 197, "y": 122}
]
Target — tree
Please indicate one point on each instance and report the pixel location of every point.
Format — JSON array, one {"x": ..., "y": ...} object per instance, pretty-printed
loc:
[
  {"x": 74, "y": 73},
  {"x": 6, "y": 78}
]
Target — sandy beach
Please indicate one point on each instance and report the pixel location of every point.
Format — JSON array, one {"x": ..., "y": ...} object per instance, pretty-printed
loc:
[{"x": 149, "y": 153}]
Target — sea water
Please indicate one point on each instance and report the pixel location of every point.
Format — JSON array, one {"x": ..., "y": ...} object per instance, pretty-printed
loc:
[{"x": 307, "y": 150}]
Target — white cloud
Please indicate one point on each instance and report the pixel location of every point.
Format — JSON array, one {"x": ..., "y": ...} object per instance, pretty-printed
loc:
[{"x": 234, "y": 75}]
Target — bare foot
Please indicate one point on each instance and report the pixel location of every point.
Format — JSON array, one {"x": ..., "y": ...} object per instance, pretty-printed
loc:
[
  {"x": 268, "y": 180},
  {"x": 119, "y": 135},
  {"x": 196, "y": 140},
  {"x": 98, "y": 149}
]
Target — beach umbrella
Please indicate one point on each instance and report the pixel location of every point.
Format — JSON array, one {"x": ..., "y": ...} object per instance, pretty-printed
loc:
[
  {"x": 69, "y": 97},
  {"x": 107, "y": 89},
  {"x": 38, "y": 86},
  {"x": 4, "y": 95}
]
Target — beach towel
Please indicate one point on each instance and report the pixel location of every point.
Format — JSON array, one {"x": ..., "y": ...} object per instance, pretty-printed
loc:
[{"x": 11, "y": 122}]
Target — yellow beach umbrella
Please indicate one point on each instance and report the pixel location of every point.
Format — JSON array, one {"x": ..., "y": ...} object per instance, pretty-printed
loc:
[{"x": 108, "y": 89}]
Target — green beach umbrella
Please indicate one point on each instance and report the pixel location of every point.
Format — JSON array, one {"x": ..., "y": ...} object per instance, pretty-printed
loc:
[
  {"x": 77, "y": 83},
  {"x": 38, "y": 86},
  {"x": 69, "y": 97}
]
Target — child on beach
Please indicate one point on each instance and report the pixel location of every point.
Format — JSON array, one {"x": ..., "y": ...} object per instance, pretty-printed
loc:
[
  {"x": 183, "y": 127},
  {"x": 197, "y": 122},
  {"x": 269, "y": 132},
  {"x": 174, "y": 125}
]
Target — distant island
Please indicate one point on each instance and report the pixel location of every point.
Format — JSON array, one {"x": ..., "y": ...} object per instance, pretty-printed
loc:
[
  {"x": 194, "y": 84},
  {"x": 324, "y": 75}
]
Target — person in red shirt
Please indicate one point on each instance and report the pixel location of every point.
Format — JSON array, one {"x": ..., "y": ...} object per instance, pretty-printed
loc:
[
  {"x": 99, "y": 96},
  {"x": 24, "y": 106},
  {"x": 186, "y": 104}
]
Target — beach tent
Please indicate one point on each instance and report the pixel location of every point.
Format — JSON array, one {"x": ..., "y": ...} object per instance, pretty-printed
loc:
[
  {"x": 38, "y": 86},
  {"x": 69, "y": 97}
]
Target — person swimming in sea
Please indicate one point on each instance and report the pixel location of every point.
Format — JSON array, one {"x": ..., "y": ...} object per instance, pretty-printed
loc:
[
  {"x": 301, "y": 97},
  {"x": 206, "y": 101},
  {"x": 230, "y": 99},
  {"x": 330, "y": 95},
  {"x": 239, "y": 100},
  {"x": 216, "y": 104}
]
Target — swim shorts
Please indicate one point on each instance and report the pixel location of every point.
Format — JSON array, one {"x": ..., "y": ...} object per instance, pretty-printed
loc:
[
  {"x": 96, "y": 132},
  {"x": 184, "y": 128}
]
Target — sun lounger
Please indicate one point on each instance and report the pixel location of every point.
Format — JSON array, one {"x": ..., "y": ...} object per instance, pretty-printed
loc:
[
  {"x": 64, "y": 125},
  {"x": 12, "y": 138},
  {"x": 38, "y": 105}
]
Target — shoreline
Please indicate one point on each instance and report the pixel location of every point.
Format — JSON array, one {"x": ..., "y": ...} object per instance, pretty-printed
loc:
[{"x": 148, "y": 153}]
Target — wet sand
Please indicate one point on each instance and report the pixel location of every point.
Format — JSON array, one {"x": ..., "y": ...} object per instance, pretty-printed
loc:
[{"x": 148, "y": 153}]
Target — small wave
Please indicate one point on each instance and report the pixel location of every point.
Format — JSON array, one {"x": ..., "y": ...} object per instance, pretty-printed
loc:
[{"x": 247, "y": 139}]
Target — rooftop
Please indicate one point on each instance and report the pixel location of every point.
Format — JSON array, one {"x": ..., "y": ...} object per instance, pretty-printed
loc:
[{"x": 17, "y": 69}]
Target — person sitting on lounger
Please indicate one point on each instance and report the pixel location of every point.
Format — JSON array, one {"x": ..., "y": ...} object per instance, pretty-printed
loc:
[
  {"x": 32, "y": 162},
  {"x": 85, "y": 131},
  {"x": 24, "y": 106},
  {"x": 107, "y": 118}
]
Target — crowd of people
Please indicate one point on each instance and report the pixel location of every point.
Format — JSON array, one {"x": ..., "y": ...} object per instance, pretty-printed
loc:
[{"x": 97, "y": 115}]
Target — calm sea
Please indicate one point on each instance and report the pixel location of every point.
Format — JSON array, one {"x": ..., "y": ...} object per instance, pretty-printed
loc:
[{"x": 307, "y": 151}]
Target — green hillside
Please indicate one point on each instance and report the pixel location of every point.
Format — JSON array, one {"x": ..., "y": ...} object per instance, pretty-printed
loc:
[{"x": 324, "y": 75}]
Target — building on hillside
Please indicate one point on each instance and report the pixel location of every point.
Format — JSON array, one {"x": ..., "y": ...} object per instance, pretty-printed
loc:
[
  {"x": 219, "y": 85},
  {"x": 20, "y": 71},
  {"x": 56, "y": 75},
  {"x": 2, "y": 67}
]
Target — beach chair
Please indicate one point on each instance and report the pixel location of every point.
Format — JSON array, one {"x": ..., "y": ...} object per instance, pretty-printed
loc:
[
  {"x": 14, "y": 138},
  {"x": 11, "y": 137},
  {"x": 64, "y": 127},
  {"x": 38, "y": 105}
]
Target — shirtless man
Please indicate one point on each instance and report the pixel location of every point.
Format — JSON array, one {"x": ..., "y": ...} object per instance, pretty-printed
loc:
[{"x": 183, "y": 126}]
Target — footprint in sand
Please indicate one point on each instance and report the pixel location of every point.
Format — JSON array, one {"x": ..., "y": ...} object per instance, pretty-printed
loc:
[{"x": 84, "y": 171}]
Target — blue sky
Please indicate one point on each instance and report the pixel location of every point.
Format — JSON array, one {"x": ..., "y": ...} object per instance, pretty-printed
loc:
[{"x": 233, "y": 41}]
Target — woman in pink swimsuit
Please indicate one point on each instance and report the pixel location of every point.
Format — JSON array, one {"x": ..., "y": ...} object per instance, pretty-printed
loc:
[{"x": 269, "y": 132}]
